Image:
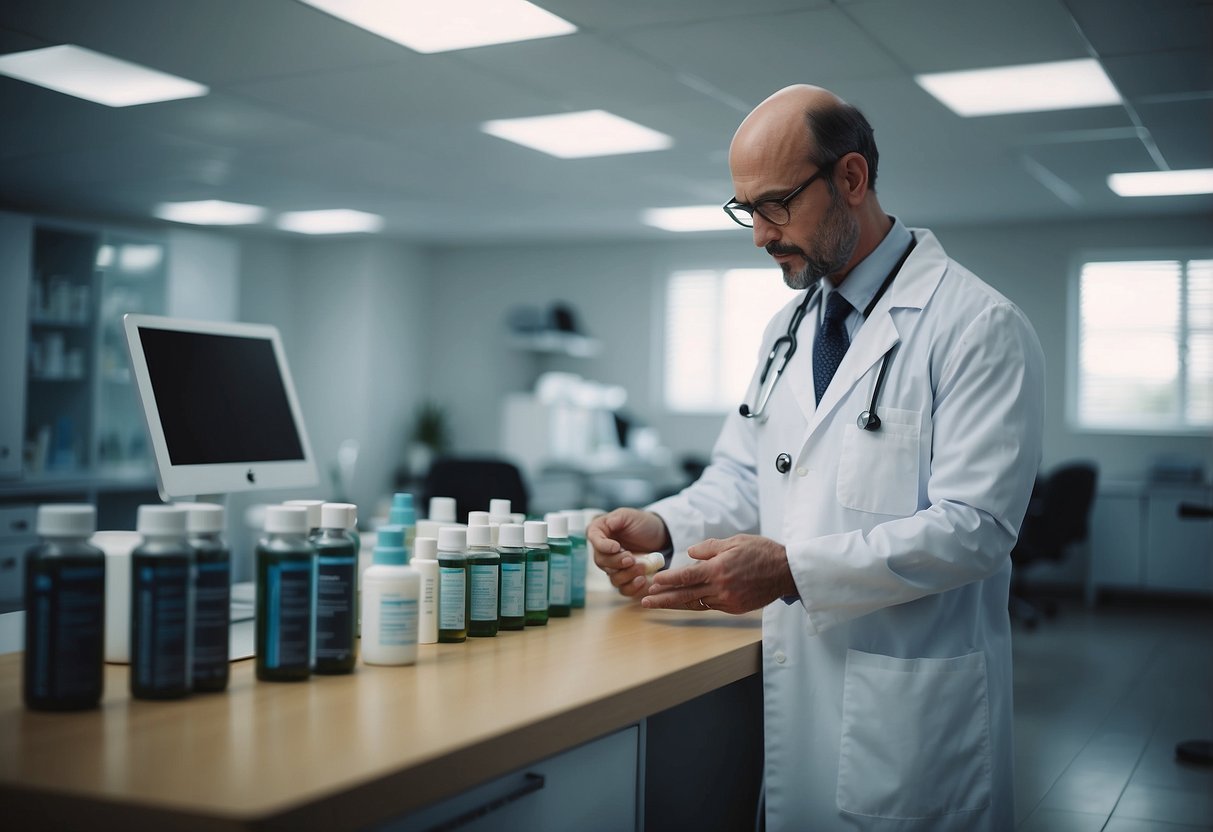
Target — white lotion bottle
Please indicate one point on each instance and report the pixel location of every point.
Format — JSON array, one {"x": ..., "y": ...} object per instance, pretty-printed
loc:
[
  {"x": 391, "y": 591},
  {"x": 425, "y": 561}
]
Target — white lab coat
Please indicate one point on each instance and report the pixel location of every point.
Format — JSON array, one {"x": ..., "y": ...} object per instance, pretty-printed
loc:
[{"x": 887, "y": 685}]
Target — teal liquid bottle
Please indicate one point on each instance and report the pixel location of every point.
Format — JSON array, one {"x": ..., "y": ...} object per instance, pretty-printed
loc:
[
  {"x": 162, "y": 605},
  {"x": 63, "y": 665},
  {"x": 560, "y": 566},
  {"x": 581, "y": 555},
  {"x": 454, "y": 601},
  {"x": 212, "y": 596},
  {"x": 286, "y": 581},
  {"x": 336, "y": 581},
  {"x": 403, "y": 513},
  {"x": 535, "y": 537},
  {"x": 511, "y": 548},
  {"x": 484, "y": 581}
]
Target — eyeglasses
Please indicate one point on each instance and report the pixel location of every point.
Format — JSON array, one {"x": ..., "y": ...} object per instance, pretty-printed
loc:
[{"x": 774, "y": 211}]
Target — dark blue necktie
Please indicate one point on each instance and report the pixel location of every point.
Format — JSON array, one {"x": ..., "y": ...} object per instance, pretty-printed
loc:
[{"x": 831, "y": 342}]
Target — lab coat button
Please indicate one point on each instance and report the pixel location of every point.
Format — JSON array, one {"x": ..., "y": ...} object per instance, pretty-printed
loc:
[
  {"x": 780, "y": 658},
  {"x": 802, "y": 471}
]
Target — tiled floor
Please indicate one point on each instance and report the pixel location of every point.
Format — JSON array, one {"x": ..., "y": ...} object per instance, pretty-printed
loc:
[{"x": 1101, "y": 698}]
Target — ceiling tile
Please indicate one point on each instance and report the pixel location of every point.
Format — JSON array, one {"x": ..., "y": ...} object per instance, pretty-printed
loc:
[
  {"x": 1161, "y": 73},
  {"x": 1182, "y": 130},
  {"x": 631, "y": 14},
  {"x": 1125, "y": 27}
]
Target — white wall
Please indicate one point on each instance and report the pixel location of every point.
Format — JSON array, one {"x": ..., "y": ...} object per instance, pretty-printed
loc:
[{"x": 617, "y": 291}]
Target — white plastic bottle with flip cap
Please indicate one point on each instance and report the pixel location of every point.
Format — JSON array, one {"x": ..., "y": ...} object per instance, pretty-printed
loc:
[
  {"x": 425, "y": 561},
  {"x": 390, "y": 599},
  {"x": 442, "y": 510},
  {"x": 499, "y": 515}
]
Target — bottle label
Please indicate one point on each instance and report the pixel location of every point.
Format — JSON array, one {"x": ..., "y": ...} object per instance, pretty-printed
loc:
[
  {"x": 335, "y": 607},
  {"x": 536, "y": 586},
  {"x": 212, "y": 619},
  {"x": 512, "y": 590},
  {"x": 289, "y": 615},
  {"x": 580, "y": 561},
  {"x": 452, "y": 599},
  {"x": 562, "y": 583},
  {"x": 397, "y": 620},
  {"x": 484, "y": 592},
  {"x": 66, "y": 621},
  {"x": 160, "y": 649}
]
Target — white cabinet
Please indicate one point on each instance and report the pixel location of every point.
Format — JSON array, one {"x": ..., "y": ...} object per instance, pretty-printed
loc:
[{"x": 16, "y": 255}]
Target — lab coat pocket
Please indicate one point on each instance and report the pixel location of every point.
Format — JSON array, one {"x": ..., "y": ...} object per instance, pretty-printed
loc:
[
  {"x": 878, "y": 469},
  {"x": 915, "y": 736}
]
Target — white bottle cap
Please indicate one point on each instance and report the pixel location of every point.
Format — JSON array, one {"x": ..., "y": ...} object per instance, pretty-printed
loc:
[
  {"x": 67, "y": 520},
  {"x": 577, "y": 521},
  {"x": 425, "y": 548},
  {"x": 510, "y": 535},
  {"x": 428, "y": 528},
  {"x": 452, "y": 539},
  {"x": 535, "y": 531},
  {"x": 313, "y": 511},
  {"x": 338, "y": 516},
  {"x": 203, "y": 518},
  {"x": 161, "y": 520},
  {"x": 480, "y": 536},
  {"x": 442, "y": 509},
  {"x": 653, "y": 562},
  {"x": 478, "y": 518},
  {"x": 499, "y": 510},
  {"x": 286, "y": 520},
  {"x": 518, "y": 517},
  {"x": 558, "y": 524}
]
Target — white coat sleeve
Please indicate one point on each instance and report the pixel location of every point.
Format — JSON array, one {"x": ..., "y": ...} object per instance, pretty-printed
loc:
[{"x": 987, "y": 416}]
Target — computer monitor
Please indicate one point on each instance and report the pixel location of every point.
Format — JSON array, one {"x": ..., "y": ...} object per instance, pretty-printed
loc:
[{"x": 220, "y": 406}]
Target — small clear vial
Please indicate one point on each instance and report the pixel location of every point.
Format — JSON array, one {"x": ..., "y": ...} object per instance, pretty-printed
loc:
[
  {"x": 64, "y": 612},
  {"x": 535, "y": 536},
  {"x": 560, "y": 565},
  {"x": 162, "y": 605},
  {"x": 286, "y": 592},
  {"x": 336, "y": 599},
  {"x": 212, "y": 596},
  {"x": 484, "y": 579},
  {"x": 453, "y": 597},
  {"x": 511, "y": 548}
]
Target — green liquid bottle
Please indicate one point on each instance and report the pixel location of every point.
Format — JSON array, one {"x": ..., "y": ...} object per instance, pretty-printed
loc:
[
  {"x": 212, "y": 596},
  {"x": 581, "y": 555},
  {"x": 286, "y": 592},
  {"x": 454, "y": 601},
  {"x": 484, "y": 581},
  {"x": 336, "y": 581},
  {"x": 162, "y": 605},
  {"x": 560, "y": 566},
  {"x": 513, "y": 576},
  {"x": 535, "y": 535}
]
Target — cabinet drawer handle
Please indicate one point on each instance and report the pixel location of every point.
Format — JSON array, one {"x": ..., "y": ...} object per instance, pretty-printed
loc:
[{"x": 531, "y": 783}]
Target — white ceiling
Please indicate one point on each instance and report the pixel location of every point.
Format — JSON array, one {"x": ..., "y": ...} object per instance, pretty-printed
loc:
[{"x": 306, "y": 111}]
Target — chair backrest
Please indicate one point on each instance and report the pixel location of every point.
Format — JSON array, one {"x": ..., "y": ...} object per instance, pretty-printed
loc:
[
  {"x": 1059, "y": 512},
  {"x": 475, "y": 481}
]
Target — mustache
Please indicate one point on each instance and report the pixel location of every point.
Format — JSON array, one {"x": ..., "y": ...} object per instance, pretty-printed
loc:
[{"x": 774, "y": 248}]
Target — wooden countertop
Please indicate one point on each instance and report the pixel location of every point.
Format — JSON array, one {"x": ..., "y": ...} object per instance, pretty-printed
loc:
[{"x": 344, "y": 751}]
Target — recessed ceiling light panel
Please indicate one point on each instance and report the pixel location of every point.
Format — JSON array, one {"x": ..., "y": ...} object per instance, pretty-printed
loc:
[
  {"x": 689, "y": 218},
  {"x": 92, "y": 76},
  {"x": 1058, "y": 85},
  {"x": 210, "y": 212},
  {"x": 578, "y": 135},
  {"x": 330, "y": 221},
  {"x": 1163, "y": 182},
  {"x": 429, "y": 26}
]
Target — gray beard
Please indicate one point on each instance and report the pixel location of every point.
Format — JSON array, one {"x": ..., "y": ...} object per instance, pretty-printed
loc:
[{"x": 834, "y": 241}]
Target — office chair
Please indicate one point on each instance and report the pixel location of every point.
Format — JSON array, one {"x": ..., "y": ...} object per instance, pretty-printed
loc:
[
  {"x": 1057, "y": 518},
  {"x": 473, "y": 481}
]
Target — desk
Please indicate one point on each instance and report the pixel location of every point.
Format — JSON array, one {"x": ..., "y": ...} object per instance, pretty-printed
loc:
[{"x": 346, "y": 751}]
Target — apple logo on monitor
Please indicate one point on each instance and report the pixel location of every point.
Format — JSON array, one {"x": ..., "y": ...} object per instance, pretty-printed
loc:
[{"x": 250, "y": 476}]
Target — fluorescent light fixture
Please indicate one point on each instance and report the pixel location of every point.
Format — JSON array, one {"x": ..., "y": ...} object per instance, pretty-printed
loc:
[
  {"x": 139, "y": 257},
  {"x": 429, "y": 26},
  {"x": 1163, "y": 182},
  {"x": 210, "y": 212},
  {"x": 1028, "y": 88},
  {"x": 90, "y": 75},
  {"x": 578, "y": 135},
  {"x": 334, "y": 221},
  {"x": 689, "y": 218}
]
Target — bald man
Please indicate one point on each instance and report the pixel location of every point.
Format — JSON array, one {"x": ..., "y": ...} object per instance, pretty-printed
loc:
[{"x": 866, "y": 498}]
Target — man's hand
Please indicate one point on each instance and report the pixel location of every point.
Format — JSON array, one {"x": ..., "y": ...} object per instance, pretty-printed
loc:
[
  {"x": 741, "y": 573},
  {"x": 615, "y": 536}
]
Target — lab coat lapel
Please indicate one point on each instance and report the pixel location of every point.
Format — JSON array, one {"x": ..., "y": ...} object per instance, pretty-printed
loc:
[{"x": 874, "y": 339}]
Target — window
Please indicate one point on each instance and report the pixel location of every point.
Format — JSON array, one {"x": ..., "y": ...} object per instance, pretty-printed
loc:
[
  {"x": 1145, "y": 345},
  {"x": 713, "y": 328}
]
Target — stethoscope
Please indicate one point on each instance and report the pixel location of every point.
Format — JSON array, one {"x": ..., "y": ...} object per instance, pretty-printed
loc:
[{"x": 868, "y": 420}]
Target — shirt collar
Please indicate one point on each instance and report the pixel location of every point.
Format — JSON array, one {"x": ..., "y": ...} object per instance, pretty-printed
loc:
[{"x": 864, "y": 281}]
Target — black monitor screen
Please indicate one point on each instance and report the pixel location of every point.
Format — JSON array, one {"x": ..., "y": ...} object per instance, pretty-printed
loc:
[{"x": 221, "y": 398}]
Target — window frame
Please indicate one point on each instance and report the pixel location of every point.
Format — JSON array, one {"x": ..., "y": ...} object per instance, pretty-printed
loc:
[{"x": 1073, "y": 370}]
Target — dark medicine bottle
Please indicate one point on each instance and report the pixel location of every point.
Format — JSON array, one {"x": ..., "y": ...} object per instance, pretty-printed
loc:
[
  {"x": 513, "y": 576},
  {"x": 336, "y": 583},
  {"x": 64, "y": 612},
  {"x": 162, "y": 605},
  {"x": 286, "y": 581},
  {"x": 538, "y": 580},
  {"x": 484, "y": 582},
  {"x": 212, "y": 596}
]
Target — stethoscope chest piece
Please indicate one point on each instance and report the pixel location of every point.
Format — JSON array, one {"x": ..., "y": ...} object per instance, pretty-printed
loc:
[
  {"x": 868, "y": 421},
  {"x": 783, "y": 463}
]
